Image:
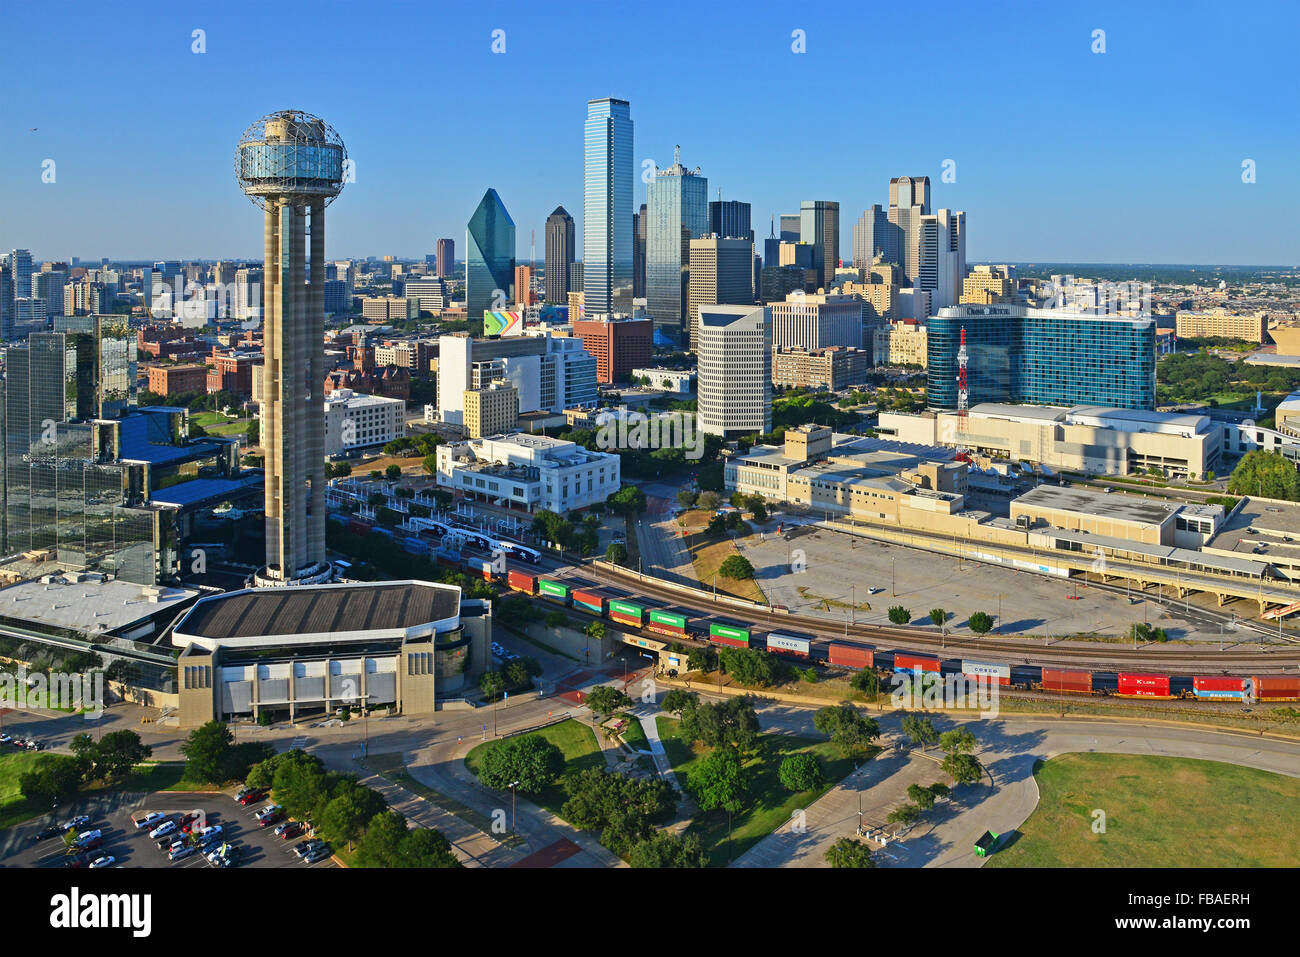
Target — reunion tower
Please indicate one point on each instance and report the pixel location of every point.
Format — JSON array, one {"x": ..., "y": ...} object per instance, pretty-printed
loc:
[{"x": 291, "y": 164}]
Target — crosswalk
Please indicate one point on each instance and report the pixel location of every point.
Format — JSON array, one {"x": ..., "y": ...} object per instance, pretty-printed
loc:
[{"x": 298, "y": 744}]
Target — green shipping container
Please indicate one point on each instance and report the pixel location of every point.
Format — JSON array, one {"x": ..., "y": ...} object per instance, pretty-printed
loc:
[
  {"x": 553, "y": 589},
  {"x": 626, "y": 609},
  {"x": 725, "y": 631},
  {"x": 669, "y": 619}
]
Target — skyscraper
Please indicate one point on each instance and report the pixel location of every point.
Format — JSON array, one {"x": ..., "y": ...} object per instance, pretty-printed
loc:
[
  {"x": 790, "y": 227},
  {"x": 291, "y": 165},
  {"x": 20, "y": 272},
  {"x": 489, "y": 257},
  {"x": 560, "y": 239},
  {"x": 607, "y": 208},
  {"x": 721, "y": 273},
  {"x": 730, "y": 219},
  {"x": 446, "y": 258},
  {"x": 941, "y": 257},
  {"x": 6, "y": 300},
  {"x": 677, "y": 206},
  {"x": 734, "y": 383},
  {"x": 909, "y": 200},
  {"x": 819, "y": 224},
  {"x": 638, "y": 253},
  {"x": 874, "y": 235}
]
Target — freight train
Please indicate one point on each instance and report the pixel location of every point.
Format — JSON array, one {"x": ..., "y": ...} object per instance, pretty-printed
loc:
[{"x": 718, "y": 630}]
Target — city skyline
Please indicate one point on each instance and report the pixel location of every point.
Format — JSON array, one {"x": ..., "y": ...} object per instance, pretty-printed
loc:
[{"x": 1164, "y": 171}]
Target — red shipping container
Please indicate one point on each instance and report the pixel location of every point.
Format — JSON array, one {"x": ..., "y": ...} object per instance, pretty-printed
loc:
[
  {"x": 521, "y": 582},
  {"x": 851, "y": 656},
  {"x": 1079, "y": 682},
  {"x": 733, "y": 642},
  {"x": 1276, "y": 688},
  {"x": 1144, "y": 686},
  {"x": 914, "y": 662},
  {"x": 1216, "y": 683}
]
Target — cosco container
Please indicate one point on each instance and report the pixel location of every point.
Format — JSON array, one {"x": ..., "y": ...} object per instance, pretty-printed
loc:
[
  {"x": 994, "y": 673},
  {"x": 788, "y": 643}
]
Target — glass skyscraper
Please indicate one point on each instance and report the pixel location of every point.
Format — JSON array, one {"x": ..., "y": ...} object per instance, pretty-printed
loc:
[
  {"x": 489, "y": 257},
  {"x": 607, "y": 208},
  {"x": 677, "y": 210},
  {"x": 1045, "y": 356}
]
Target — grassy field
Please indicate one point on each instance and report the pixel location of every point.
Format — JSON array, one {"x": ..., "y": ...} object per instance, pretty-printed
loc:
[
  {"x": 772, "y": 804},
  {"x": 214, "y": 423},
  {"x": 1160, "y": 812},
  {"x": 575, "y": 740},
  {"x": 708, "y": 553},
  {"x": 634, "y": 735}
]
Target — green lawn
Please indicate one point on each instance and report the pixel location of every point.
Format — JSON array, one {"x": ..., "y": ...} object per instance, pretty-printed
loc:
[
  {"x": 772, "y": 804},
  {"x": 1160, "y": 812},
  {"x": 634, "y": 735},
  {"x": 576, "y": 741},
  {"x": 214, "y": 423}
]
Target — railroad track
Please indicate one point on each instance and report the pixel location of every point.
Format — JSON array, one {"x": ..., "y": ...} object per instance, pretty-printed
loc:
[{"x": 1240, "y": 660}]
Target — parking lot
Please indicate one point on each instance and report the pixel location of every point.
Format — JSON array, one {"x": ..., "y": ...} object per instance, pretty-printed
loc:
[{"x": 132, "y": 847}]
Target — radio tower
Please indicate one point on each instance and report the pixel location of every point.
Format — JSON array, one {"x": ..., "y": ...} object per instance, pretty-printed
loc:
[{"x": 963, "y": 400}]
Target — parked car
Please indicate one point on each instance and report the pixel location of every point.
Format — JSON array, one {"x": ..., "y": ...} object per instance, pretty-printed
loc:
[
  {"x": 50, "y": 830},
  {"x": 35, "y": 746},
  {"x": 91, "y": 842},
  {"x": 291, "y": 831},
  {"x": 272, "y": 818},
  {"x": 5, "y": 738},
  {"x": 108, "y": 860},
  {"x": 281, "y": 828},
  {"x": 81, "y": 820},
  {"x": 78, "y": 860},
  {"x": 251, "y": 797},
  {"x": 183, "y": 851},
  {"x": 166, "y": 827},
  {"x": 319, "y": 854},
  {"x": 150, "y": 819},
  {"x": 269, "y": 809},
  {"x": 306, "y": 847},
  {"x": 210, "y": 834}
]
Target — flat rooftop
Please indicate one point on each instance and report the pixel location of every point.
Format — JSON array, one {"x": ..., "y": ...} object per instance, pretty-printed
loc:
[
  {"x": 319, "y": 610},
  {"x": 89, "y": 605},
  {"x": 1270, "y": 530},
  {"x": 1112, "y": 505}
]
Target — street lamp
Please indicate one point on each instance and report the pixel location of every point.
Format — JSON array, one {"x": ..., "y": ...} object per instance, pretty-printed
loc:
[{"x": 513, "y": 785}]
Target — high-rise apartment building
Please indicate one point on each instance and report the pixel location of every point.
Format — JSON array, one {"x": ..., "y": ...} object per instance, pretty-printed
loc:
[
  {"x": 1048, "y": 356},
  {"x": 677, "y": 205},
  {"x": 819, "y": 224},
  {"x": 607, "y": 208},
  {"x": 721, "y": 273},
  {"x": 524, "y": 286},
  {"x": 560, "y": 240},
  {"x": 6, "y": 300},
  {"x": 446, "y": 258},
  {"x": 489, "y": 257},
  {"x": 48, "y": 285},
  {"x": 491, "y": 410},
  {"x": 734, "y": 381},
  {"x": 941, "y": 257}
]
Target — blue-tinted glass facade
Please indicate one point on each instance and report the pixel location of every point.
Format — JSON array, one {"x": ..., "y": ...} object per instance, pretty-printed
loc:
[
  {"x": 677, "y": 211},
  {"x": 1042, "y": 356},
  {"x": 607, "y": 208},
  {"x": 489, "y": 256}
]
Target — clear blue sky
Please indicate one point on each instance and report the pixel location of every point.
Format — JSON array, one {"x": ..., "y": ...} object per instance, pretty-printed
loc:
[{"x": 1061, "y": 154}]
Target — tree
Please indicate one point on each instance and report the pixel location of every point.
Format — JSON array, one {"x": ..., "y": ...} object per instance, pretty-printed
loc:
[
  {"x": 702, "y": 659},
  {"x": 866, "y": 681},
  {"x": 380, "y": 845},
  {"x": 529, "y": 759},
  {"x": 981, "y": 623},
  {"x": 958, "y": 741},
  {"x": 904, "y": 814},
  {"x": 847, "y": 852},
  {"x": 616, "y": 554},
  {"x": 963, "y": 768},
  {"x": 254, "y": 432},
  {"x": 595, "y": 629},
  {"x": 52, "y": 778},
  {"x": 919, "y": 729},
  {"x": 735, "y": 523},
  {"x": 492, "y": 683},
  {"x": 629, "y": 500},
  {"x": 516, "y": 673},
  {"x": 393, "y": 472},
  {"x": 1144, "y": 632},
  {"x": 732, "y": 722},
  {"x": 117, "y": 753},
  {"x": 899, "y": 615},
  {"x": 426, "y": 848},
  {"x": 800, "y": 772},
  {"x": 387, "y": 517},
  {"x": 708, "y": 500},
  {"x": 300, "y": 783},
  {"x": 208, "y": 752},
  {"x": 604, "y": 699},
  {"x": 847, "y": 727},
  {"x": 753, "y": 668},
  {"x": 677, "y": 700},
  {"x": 350, "y": 807},
  {"x": 719, "y": 781},
  {"x": 736, "y": 567},
  {"x": 717, "y": 527},
  {"x": 938, "y": 616},
  {"x": 430, "y": 464},
  {"x": 922, "y": 797},
  {"x": 668, "y": 850},
  {"x": 624, "y": 809},
  {"x": 1266, "y": 474},
  {"x": 687, "y": 499}
]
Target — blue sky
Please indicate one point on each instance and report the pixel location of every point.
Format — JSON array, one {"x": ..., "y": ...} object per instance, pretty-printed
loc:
[{"x": 1062, "y": 154}]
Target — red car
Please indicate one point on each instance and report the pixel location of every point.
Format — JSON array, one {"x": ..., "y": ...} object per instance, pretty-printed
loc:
[
  {"x": 273, "y": 818},
  {"x": 190, "y": 821},
  {"x": 292, "y": 831},
  {"x": 252, "y": 797}
]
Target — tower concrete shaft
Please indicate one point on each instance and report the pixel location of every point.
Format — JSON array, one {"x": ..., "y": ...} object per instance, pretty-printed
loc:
[{"x": 293, "y": 422}]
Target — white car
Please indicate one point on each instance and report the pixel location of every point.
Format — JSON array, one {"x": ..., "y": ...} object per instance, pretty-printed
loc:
[
  {"x": 267, "y": 811},
  {"x": 152, "y": 819},
  {"x": 163, "y": 829},
  {"x": 209, "y": 834},
  {"x": 107, "y": 860},
  {"x": 184, "y": 850}
]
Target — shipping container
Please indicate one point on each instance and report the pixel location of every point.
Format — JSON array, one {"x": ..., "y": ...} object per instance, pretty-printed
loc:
[
  {"x": 626, "y": 613},
  {"x": 519, "y": 581},
  {"x": 589, "y": 600},
  {"x": 851, "y": 656},
  {"x": 996, "y": 674},
  {"x": 788, "y": 643},
  {"x": 1219, "y": 687},
  {"x": 729, "y": 635},
  {"x": 1076, "y": 682},
  {"x": 480, "y": 566},
  {"x": 1275, "y": 688},
  {"x": 553, "y": 589},
  {"x": 915, "y": 664},
  {"x": 1133, "y": 685},
  {"x": 667, "y": 622}
]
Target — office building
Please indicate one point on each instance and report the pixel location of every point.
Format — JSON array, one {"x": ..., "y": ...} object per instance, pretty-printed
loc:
[
  {"x": 429, "y": 295},
  {"x": 678, "y": 209},
  {"x": 290, "y": 164},
  {"x": 909, "y": 200},
  {"x": 734, "y": 378},
  {"x": 1044, "y": 356},
  {"x": 874, "y": 238},
  {"x": 550, "y": 373},
  {"x": 836, "y": 368},
  {"x": 678, "y": 381},
  {"x": 492, "y": 410},
  {"x": 446, "y": 258},
  {"x": 638, "y": 253},
  {"x": 791, "y": 227},
  {"x": 816, "y": 321},
  {"x": 523, "y": 286},
  {"x": 354, "y": 421},
  {"x": 531, "y": 472},
  {"x": 489, "y": 257},
  {"x": 607, "y": 208},
  {"x": 902, "y": 342},
  {"x": 720, "y": 273},
  {"x": 48, "y": 284},
  {"x": 619, "y": 345},
  {"x": 170, "y": 380},
  {"x": 1222, "y": 324},
  {"x": 989, "y": 286},
  {"x": 941, "y": 257},
  {"x": 730, "y": 219},
  {"x": 6, "y": 300},
  {"x": 338, "y": 297},
  {"x": 20, "y": 274},
  {"x": 560, "y": 239},
  {"x": 389, "y": 308},
  {"x": 819, "y": 225}
]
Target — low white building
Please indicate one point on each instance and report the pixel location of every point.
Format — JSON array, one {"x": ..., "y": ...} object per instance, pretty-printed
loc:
[
  {"x": 355, "y": 421},
  {"x": 529, "y": 471},
  {"x": 679, "y": 381}
]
